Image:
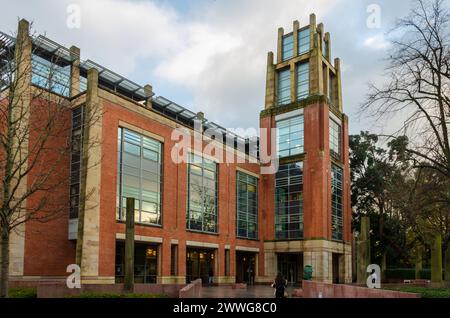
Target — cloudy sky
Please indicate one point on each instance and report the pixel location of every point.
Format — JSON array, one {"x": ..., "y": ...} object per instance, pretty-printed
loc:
[{"x": 210, "y": 55}]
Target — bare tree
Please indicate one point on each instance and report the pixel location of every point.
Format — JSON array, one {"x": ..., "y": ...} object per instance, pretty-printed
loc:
[
  {"x": 35, "y": 140},
  {"x": 418, "y": 86}
]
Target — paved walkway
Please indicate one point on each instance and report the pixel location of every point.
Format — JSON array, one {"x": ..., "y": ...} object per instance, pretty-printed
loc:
[{"x": 258, "y": 291}]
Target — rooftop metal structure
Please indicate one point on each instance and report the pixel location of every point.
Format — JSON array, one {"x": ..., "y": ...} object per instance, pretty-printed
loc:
[{"x": 62, "y": 56}]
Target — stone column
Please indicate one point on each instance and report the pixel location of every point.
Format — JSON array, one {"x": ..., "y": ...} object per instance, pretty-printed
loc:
[
  {"x": 148, "y": 90},
  {"x": 337, "y": 85},
  {"x": 75, "y": 71},
  {"x": 363, "y": 256},
  {"x": 89, "y": 216},
  {"x": 270, "y": 82},
  {"x": 280, "y": 45},
  {"x": 21, "y": 101},
  {"x": 295, "y": 27},
  {"x": 436, "y": 260}
]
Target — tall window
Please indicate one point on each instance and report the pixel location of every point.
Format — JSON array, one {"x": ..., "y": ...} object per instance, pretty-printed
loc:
[
  {"x": 289, "y": 201},
  {"x": 202, "y": 195},
  {"x": 139, "y": 176},
  {"x": 336, "y": 202},
  {"x": 75, "y": 160},
  {"x": 247, "y": 206},
  {"x": 335, "y": 138},
  {"x": 303, "y": 41},
  {"x": 302, "y": 80},
  {"x": 288, "y": 47},
  {"x": 290, "y": 136},
  {"x": 284, "y": 87}
]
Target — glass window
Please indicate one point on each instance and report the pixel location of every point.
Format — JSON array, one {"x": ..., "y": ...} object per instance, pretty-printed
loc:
[
  {"x": 289, "y": 201},
  {"x": 288, "y": 47},
  {"x": 303, "y": 41},
  {"x": 302, "y": 80},
  {"x": 336, "y": 202},
  {"x": 290, "y": 136},
  {"x": 50, "y": 76},
  {"x": 246, "y": 206},
  {"x": 202, "y": 195},
  {"x": 284, "y": 87},
  {"x": 139, "y": 176},
  {"x": 335, "y": 138},
  {"x": 75, "y": 160}
]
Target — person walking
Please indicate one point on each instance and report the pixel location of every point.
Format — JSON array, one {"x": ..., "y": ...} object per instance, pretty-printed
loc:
[
  {"x": 210, "y": 276},
  {"x": 280, "y": 285}
]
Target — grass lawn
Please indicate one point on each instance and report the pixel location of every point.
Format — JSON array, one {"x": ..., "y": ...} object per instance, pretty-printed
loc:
[
  {"x": 22, "y": 293},
  {"x": 426, "y": 292}
]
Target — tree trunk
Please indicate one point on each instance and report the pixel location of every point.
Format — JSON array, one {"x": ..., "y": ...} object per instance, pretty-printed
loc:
[
  {"x": 129, "y": 246},
  {"x": 436, "y": 260},
  {"x": 4, "y": 271},
  {"x": 447, "y": 263}
]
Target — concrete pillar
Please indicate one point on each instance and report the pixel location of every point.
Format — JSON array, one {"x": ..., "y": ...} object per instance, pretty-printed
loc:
[
  {"x": 315, "y": 68},
  {"x": 328, "y": 41},
  {"x": 129, "y": 246},
  {"x": 312, "y": 29},
  {"x": 280, "y": 45},
  {"x": 292, "y": 69},
  {"x": 148, "y": 90},
  {"x": 89, "y": 216},
  {"x": 363, "y": 256},
  {"x": 295, "y": 27},
  {"x": 75, "y": 71},
  {"x": 337, "y": 85},
  {"x": 436, "y": 260},
  {"x": 270, "y": 82},
  {"x": 21, "y": 101}
]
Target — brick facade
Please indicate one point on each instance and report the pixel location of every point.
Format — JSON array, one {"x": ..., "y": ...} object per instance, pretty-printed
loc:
[{"x": 48, "y": 251}]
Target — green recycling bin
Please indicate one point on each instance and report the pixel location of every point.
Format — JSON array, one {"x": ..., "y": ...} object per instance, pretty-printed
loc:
[{"x": 307, "y": 272}]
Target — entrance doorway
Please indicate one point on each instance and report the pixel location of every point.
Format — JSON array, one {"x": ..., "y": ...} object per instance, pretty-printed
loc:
[
  {"x": 336, "y": 268},
  {"x": 291, "y": 267},
  {"x": 245, "y": 267},
  {"x": 199, "y": 264},
  {"x": 145, "y": 263}
]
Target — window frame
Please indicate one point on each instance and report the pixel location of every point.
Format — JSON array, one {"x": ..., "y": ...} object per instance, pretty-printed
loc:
[
  {"x": 142, "y": 174},
  {"x": 247, "y": 182}
]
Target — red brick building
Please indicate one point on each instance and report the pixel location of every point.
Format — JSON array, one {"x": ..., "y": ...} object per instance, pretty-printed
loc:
[{"x": 203, "y": 217}]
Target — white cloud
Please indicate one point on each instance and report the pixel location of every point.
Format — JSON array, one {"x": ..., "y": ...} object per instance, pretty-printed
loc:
[{"x": 377, "y": 42}]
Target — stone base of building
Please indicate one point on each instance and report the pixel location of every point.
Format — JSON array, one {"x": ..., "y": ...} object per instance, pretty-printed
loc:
[
  {"x": 331, "y": 261},
  {"x": 221, "y": 280},
  {"x": 171, "y": 279}
]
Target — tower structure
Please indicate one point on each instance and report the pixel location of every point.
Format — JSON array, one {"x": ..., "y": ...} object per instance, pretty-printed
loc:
[{"x": 308, "y": 210}]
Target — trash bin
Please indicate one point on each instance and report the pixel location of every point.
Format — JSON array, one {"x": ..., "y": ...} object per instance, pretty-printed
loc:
[{"x": 307, "y": 272}]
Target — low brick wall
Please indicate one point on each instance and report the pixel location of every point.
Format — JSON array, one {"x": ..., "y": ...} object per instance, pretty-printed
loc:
[
  {"x": 58, "y": 290},
  {"x": 192, "y": 290},
  {"x": 313, "y": 289}
]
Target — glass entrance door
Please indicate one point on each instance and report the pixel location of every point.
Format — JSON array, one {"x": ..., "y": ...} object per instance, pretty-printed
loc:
[
  {"x": 290, "y": 266},
  {"x": 199, "y": 264}
]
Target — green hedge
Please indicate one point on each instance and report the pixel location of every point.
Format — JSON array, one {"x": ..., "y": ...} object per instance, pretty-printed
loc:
[
  {"x": 407, "y": 273},
  {"x": 426, "y": 292}
]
